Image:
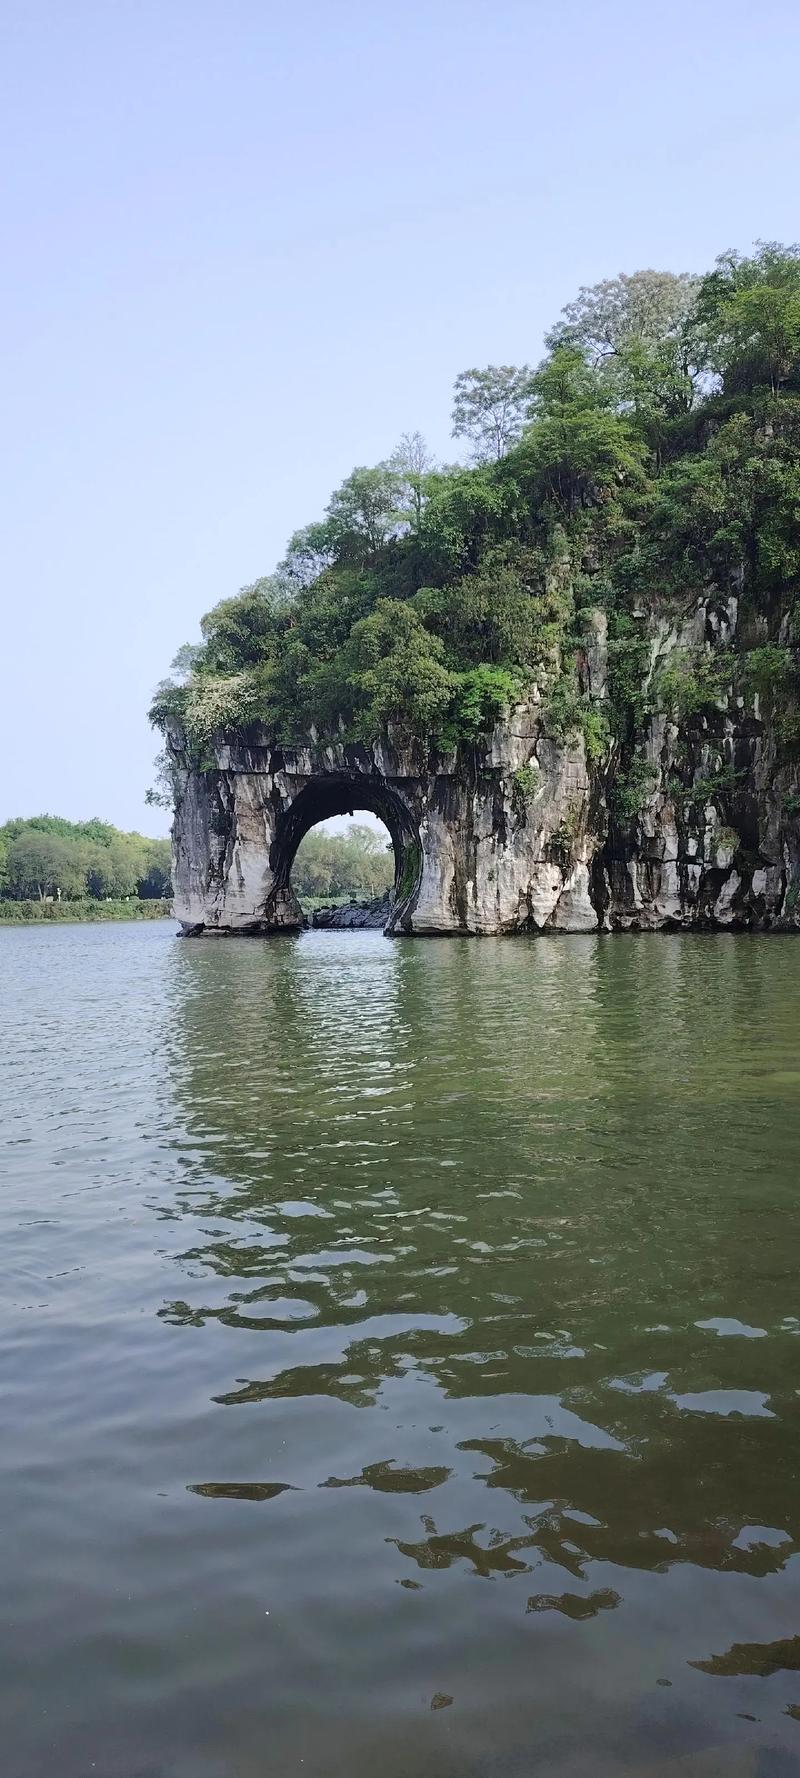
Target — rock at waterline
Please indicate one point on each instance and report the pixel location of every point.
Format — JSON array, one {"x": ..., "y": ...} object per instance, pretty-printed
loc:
[{"x": 354, "y": 915}]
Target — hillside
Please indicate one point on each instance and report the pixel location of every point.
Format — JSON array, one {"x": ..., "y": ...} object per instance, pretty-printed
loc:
[{"x": 651, "y": 460}]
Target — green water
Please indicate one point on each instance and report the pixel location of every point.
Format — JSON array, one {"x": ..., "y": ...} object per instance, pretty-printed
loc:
[{"x": 399, "y": 1356}]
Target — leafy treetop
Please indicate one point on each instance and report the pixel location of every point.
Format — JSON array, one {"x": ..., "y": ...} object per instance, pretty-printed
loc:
[
  {"x": 72, "y": 860},
  {"x": 652, "y": 456}
]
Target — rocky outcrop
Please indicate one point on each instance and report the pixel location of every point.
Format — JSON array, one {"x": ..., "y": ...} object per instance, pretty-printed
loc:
[
  {"x": 520, "y": 833},
  {"x": 715, "y": 842},
  {"x": 354, "y": 916}
]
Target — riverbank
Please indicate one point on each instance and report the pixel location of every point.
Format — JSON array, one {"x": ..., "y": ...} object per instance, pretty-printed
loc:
[{"x": 24, "y": 913}]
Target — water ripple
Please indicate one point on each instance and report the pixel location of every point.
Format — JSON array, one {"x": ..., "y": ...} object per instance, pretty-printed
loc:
[{"x": 387, "y": 1323}]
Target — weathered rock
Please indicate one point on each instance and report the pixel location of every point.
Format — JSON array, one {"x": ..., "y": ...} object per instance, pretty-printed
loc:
[
  {"x": 517, "y": 834},
  {"x": 354, "y": 916}
]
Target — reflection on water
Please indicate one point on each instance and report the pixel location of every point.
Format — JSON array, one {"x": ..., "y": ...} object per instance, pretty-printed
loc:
[
  {"x": 756, "y": 1657},
  {"x": 398, "y": 1322}
]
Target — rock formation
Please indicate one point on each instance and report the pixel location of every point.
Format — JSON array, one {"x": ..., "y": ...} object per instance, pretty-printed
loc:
[
  {"x": 519, "y": 833},
  {"x": 353, "y": 916}
]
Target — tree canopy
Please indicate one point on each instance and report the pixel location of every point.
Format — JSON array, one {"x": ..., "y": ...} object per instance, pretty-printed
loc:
[
  {"x": 358, "y": 862},
  {"x": 74, "y": 860},
  {"x": 490, "y": 407},
  {"x": 651, "y": 457}
]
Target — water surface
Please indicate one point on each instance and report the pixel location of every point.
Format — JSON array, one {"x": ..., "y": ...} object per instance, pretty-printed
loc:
[{"x": 399, "y": 1356}]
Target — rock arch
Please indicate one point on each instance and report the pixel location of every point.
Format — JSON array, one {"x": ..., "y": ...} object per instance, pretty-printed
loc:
[
  {"x": 341, "y": 793},
  {"x": 491, "y": 838},
  {"x": 513, "y": 832},
  {"x": 238, "y": 824}
]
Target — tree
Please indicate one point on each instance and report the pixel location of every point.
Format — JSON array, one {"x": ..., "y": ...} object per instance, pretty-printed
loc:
[
  {"x": 113, "y": 871},
  {"x": 415, "y": 469},
  {"x": 565, "y": 383},
  {"x": 365, "y": 512},
  {"x": 748, "y": 316},
  {"x": 638, "y": 333},
  {"x": 47, "y": 855},
  {"x": 42, "y": 864},
  {"x": 735, "y": 506},
  {"x": 489, "y": 406},
  {"x": 468, "y": 512},
  {"x": 161, "y": 794},
  {"x": 655, "y": 384},
  {"x": 155, "y": 883},
  {"x": 398, "y": 671},
  {"x": 369, "y": 856},
  {"x": 239, "y": 631},
  {"x": 492, "y": 615},
  {"x": 360, "y": 518},
  {"x": 308, "y": 553},
  {"x": 654, "y": 455},
  {"x": 99, "y": 873},
  {"x": 647, "y": 307},
  {"x": 357, "y": 862},
  {"x": 578, "y": 449},
  {"x": 765, "y": 323}
]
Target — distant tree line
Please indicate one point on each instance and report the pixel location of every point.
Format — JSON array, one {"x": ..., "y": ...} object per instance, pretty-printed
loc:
[
  {"x": 357, "y": 863},
  {"x": 46, "y": 856}
]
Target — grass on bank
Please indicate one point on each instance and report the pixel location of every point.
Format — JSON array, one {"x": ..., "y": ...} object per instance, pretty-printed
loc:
[{"x": 23, "y": 913}]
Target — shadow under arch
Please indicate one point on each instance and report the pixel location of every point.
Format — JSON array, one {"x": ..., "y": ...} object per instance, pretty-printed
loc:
[{"x": 340, "y": 795}]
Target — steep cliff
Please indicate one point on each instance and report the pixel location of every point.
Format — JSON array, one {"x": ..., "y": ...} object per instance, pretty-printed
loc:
[{"x": 523, "y": 832}]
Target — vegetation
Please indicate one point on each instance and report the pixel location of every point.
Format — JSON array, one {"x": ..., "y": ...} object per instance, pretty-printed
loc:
[
  {"x": 337, "y": 867},
  {"x": 23, "y": 913},
  {"x": 650, "y": 461},
  {"x": 46, "y": 859},
  {"x": 525, "y": 784}
]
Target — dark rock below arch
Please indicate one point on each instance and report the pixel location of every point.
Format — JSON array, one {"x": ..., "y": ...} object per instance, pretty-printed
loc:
[{"x": 354, "y": 916}]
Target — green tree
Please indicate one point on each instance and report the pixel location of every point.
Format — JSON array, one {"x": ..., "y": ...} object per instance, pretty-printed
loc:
[
  {"x": 468, "y": 512},
  {"x": 415, "y": 469},
  {"x": 579, "y": 450},
  {"x": 155, "y": 880},
  {"x": 362, "y": 515},
  {"x": 748, "y": 318},
  {"x": 308, "y": 553},
  {"x": 357, "y": 863},
  {"x": 637, "y": 332},
  {"x": 652, "y": 459},
  {"x": 42, "y": 864},
  {"x": 238, "y": 632},
  {"x": 645, "y": 308},
  {"x": 398, "y": 672},
  {"x": 489, "y": 407},
  {"x": 492, "y": 615},
  {"x": 47, "y": 855},
  {"x": 365, "y": 512}
]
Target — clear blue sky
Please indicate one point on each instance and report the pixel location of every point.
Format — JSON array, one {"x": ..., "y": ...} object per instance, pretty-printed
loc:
[{"x": 247, "y": 245}]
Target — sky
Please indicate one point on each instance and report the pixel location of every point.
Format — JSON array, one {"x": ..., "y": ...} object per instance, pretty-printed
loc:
[{"x": 248, "y": 245}]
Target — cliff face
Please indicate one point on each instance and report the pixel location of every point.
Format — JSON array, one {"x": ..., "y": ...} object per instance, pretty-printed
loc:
[
  {"x": 715, "y": 841},
  {"x": 522, "y": 833}
]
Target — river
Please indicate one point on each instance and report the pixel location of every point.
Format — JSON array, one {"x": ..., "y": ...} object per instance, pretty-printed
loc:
[{"x": 399, "y": 1356}]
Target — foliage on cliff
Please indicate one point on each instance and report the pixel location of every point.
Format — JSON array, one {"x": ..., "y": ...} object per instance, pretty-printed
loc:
[
  {"x": 651, "y": 459},
  {"x": 80, "y": 860}
]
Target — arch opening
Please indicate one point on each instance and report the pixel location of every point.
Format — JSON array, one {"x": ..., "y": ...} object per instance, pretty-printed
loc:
[
  {"x": 343, "y": 872},
  {"x": 323, "y": 798}
]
